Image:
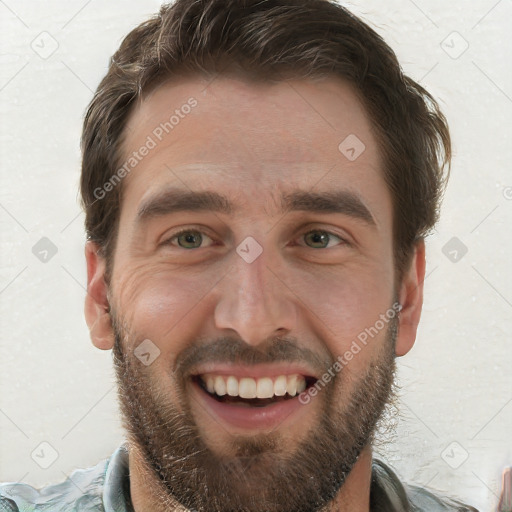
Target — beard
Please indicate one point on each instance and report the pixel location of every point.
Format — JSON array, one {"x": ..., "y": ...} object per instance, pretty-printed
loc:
[{"x": 259, "y": 475}]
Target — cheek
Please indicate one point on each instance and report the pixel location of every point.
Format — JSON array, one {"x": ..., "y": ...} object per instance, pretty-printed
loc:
[
  {"x": 158, "y": 304},
  {"x": 345, "y": 305}
]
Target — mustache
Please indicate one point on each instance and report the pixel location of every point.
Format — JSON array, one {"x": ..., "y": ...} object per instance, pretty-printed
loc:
[
  {"x": 230, "y": 349},
  {"x": 236, "y": 351}
]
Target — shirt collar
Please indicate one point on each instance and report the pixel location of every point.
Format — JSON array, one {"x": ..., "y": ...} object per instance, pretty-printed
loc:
[{"x": 116, "y": 490}]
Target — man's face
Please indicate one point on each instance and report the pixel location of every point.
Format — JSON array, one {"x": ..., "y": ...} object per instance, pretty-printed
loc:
[{"x": 253, "y": 299}]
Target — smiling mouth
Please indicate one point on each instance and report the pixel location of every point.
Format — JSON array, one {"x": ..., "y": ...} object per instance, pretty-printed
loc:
[{"x": 250, "y": 392}]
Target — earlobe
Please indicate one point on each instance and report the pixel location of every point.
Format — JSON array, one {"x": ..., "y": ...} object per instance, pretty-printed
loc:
[
  {"x": 411, "y": 299},
  {"x": 97, "y": 308}
]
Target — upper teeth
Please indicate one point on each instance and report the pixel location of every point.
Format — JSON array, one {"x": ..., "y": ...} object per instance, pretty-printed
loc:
[{"x": 247, "y": 387}]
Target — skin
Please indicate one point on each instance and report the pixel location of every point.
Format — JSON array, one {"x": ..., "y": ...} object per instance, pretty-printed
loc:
[{"x": 252, "y": 142}]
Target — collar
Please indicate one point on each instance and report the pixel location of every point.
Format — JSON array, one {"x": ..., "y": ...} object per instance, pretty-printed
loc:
[{"x": 116, "y": 489}]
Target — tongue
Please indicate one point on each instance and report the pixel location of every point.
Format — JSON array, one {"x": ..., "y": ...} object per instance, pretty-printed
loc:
[{"x": 251, "y": 402}]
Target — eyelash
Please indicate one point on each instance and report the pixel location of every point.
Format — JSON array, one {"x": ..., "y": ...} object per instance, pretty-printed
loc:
[{"x": 193, "y": 230}]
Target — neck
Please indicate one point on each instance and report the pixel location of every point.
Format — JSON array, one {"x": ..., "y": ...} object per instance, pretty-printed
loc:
[
  {"x": 147, "y": 494},
  {"x": 354, "y": 496},
  {"x": 145, "y": 490}
]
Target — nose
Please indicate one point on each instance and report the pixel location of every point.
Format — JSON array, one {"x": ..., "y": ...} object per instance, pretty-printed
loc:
[{"x": 255, "y": 300}]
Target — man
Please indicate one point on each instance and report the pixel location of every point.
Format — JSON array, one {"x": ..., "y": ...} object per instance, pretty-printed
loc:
[{"x": 258, "y": 178}]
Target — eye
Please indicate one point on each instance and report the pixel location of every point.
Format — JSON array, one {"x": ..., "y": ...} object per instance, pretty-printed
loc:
[
  {"x": 187, "y": 239},
  {"x": 321, "y": 238},
  {"x": 193, "y": 239}
]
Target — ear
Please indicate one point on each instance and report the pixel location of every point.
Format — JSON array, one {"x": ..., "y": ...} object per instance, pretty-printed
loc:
[
  {"x": 97, "y": 306},
  {"x": 411, "y": 299}
]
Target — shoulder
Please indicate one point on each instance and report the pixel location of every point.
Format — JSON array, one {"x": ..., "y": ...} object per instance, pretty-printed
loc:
[
  {"x": 391, "y": 494},
  {"x": 81, "y": 491},
  {"x": 423, "y": 499}
]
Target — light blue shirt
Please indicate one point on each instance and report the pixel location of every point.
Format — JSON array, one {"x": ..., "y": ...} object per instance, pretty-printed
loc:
[{"x": 106, "y": 488}]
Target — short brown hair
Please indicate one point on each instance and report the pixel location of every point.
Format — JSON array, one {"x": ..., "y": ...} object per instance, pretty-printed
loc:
[{"x": 268, "y": 40}]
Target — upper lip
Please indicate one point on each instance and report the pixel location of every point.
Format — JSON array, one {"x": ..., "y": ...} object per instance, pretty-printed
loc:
[{"x": 256, "y": 371}]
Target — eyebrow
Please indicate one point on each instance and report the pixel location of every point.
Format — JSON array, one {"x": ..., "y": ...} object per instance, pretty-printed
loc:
[{"x": 177, "y": 200}]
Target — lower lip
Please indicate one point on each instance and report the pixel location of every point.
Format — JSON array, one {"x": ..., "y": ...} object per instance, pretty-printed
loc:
[{"x": 251, "y": 418}]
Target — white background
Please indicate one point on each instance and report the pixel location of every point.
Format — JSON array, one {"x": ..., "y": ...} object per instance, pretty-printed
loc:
[{"x": 456, "y": 382}]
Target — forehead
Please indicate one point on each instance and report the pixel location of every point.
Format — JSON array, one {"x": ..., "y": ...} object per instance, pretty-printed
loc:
[{"x": 252, "y": 141}]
